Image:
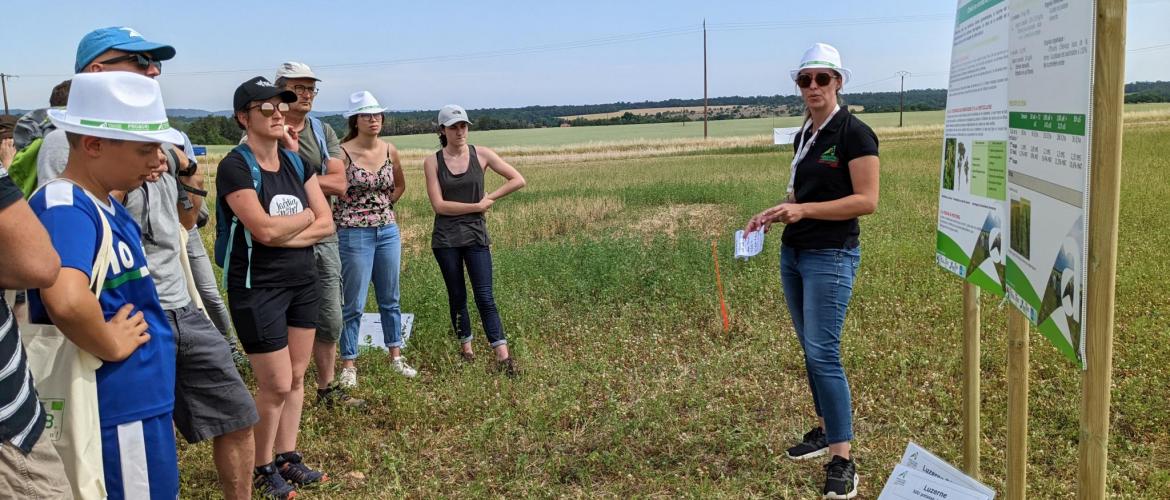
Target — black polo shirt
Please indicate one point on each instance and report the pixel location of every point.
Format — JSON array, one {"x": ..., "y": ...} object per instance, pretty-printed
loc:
[{"x": 823, "y": 175}]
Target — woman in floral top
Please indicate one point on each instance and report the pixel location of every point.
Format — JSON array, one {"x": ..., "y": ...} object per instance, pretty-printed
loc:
[{"x": 370, "y": 245}]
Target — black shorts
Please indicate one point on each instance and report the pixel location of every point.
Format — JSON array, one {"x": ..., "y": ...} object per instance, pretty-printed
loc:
[{"x": 262, "y": 316}]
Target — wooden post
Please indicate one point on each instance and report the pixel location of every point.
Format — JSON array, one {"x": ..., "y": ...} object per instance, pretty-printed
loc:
[
  {"x": 971, "y": 377},
  {"x": 1105, "y": 188},
  {"x": 1017, "y": 424}
]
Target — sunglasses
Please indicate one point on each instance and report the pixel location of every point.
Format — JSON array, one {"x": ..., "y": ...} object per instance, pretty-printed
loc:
[
  {"x": 268, "y": 109},
  {"x": 143, "y": 61},
  {"x": 370, "y": 117},
  {"x": 804, "y": 80}
]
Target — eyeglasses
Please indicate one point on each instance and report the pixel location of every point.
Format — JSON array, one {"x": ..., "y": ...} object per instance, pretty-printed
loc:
[
  {"x": 370, "y": 117},
  {"x": 804, "y": 80},
  {"x": 268, "y": 109},
  {"x": 303, "y": 90},
  {"x": 143, "y": 61}
]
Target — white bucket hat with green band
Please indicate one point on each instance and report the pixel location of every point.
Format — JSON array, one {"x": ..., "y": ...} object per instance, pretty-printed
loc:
[
  {"x": 363, "y": 102},
  {"x": 116, "y": 105},
  {"x": 823, "y": 55}
]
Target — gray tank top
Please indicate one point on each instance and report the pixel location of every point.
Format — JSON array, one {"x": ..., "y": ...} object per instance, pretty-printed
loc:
[{"x": 467, "y": 229}]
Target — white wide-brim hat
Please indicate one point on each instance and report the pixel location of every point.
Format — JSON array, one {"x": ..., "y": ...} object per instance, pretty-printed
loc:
[
  {"x": 823, "y": 55},
  {"x": 116, "y": 105},
  {"x": 363, "y": 102}
]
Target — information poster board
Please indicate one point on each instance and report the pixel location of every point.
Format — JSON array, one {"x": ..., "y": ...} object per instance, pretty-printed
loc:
[
  {"x": 972, "y": 206},
  {"x": 1050, "y": 129}
]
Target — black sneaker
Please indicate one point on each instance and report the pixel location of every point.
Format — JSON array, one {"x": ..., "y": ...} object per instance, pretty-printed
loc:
[
  {"x": 268, "y": 483},
  {"x": 295, "y": 471},
  {"x": 840, "y": 479},
  {"x": 334, "y": 395},
  {"x": 814, "y": 444}
]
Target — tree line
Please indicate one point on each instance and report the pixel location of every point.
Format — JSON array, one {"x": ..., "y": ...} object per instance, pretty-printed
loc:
[{"x": 223, "y": 130}]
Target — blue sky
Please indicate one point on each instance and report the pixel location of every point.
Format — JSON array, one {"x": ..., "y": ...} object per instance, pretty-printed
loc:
[{"x": 504, "y": 54}]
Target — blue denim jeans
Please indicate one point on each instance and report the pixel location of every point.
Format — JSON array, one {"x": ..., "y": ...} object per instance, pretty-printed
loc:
[
  {"x": 478, "y": 260},
  {"x": 369, "y": 253},
  {"x": 817, "y": 286}
]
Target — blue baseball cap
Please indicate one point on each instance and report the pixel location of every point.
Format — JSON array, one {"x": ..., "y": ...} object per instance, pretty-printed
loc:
[{"x": 96, "y": 42}]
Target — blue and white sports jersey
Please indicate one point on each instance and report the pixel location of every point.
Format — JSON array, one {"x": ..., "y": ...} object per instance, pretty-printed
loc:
[{"x": 142, "y": 385}]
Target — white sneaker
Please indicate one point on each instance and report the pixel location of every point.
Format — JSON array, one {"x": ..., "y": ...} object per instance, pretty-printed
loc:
[
  {"x": 348, "y": 378},
  {"x": 400, "y": 366}
]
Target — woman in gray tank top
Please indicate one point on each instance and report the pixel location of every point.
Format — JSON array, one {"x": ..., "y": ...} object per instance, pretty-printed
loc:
[{"x": 455, "y": 186}]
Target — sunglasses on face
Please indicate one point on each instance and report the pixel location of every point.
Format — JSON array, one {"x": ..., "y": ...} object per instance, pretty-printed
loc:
[
  {"x": 370, "y": 117},
  {"x": 141, "y": 60},
  {"x": 805, "y": 80},
  {"x": 268, "y": 109},
  {"x": 303, "y": 90}
]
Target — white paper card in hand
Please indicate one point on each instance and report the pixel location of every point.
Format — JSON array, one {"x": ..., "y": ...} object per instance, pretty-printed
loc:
[{"x": 748, "y": 246}]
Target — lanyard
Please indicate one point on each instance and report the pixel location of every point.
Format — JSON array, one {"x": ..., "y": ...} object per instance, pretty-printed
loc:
[{"x": 805, "y": 146}]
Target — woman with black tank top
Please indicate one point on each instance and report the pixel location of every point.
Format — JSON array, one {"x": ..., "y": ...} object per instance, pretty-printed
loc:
[
  {"x": 367, "y": 232},
  {"x": 455, "y": 186},
  {"x": 834, "y": 180}
]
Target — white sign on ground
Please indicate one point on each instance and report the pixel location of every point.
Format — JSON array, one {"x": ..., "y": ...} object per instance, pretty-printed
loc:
[
  {"x": 1049, "y": 99},
  {"x": 921, "y": 460},
  {"x": 908, "y": 484},
  {"x": 370, "y": 331},
  {"x": 972, "y": 206}
]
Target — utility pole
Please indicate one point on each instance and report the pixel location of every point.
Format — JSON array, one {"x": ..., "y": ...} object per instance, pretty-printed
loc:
[
  {"x": 704, "y": 78},
  {"x": 902, "y": 95},
  {"x": 4, "y": 86}
]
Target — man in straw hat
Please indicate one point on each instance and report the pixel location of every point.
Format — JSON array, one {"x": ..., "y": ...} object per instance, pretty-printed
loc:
[
  {"x": 211, "y": 400},
  {"x": 115, "y": 123}
]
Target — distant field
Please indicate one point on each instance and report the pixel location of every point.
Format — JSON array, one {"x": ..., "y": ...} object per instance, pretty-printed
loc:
[
  {"x": 649, "y": 111},
  {"x": 655, "y": 131}
]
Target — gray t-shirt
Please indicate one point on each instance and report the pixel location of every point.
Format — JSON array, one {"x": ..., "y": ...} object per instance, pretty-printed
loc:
[
  {"x": 52, "y": 157},
  {"x": 155, "y": 207}
]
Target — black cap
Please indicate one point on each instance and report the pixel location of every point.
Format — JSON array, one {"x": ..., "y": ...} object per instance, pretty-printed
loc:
[{"x": 259, "y": 89}]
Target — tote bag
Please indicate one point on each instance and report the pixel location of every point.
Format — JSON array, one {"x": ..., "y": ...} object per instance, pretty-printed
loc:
[{"x": 66, "y": 381}]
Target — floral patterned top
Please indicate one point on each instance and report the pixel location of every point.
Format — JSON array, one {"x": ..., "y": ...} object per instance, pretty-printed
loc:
[{"x": 367, "y": 200}]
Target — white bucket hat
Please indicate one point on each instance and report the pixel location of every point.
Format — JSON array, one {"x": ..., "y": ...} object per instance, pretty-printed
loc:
[
  {"x": 452, "y": 114},
  {"x": 363, "y": 102},
  {"x": 823, "y": 55},
  {"x": 116, "y": 105}
]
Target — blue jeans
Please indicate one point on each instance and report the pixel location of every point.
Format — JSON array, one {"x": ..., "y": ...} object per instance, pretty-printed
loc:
[
  {"x": 817, "y": 286},
  {"x": 478, "y": 260},
  {"x": 369, "y": 252}
]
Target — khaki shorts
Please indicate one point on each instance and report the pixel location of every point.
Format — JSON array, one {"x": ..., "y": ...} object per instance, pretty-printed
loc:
[{"x": 39, "y": 474}]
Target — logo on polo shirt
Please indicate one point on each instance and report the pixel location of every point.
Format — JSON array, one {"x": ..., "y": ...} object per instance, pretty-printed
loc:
[{"x": 829, "y": 157}]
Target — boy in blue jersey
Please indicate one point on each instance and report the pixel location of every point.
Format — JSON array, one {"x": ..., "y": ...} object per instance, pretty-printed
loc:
[{"x": 115, "y": 123}]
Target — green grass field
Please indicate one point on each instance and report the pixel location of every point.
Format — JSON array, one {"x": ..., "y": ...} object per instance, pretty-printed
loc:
[{"x": 605, "y": 282}]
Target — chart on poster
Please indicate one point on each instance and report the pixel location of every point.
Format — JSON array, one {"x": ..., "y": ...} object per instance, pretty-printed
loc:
[
  {"x": 1049, "y": 98},
  {"x": 972, "y": 206}
]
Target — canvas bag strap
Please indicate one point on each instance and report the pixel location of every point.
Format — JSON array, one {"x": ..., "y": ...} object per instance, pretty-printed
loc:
[{"x": 101, "y": 261}]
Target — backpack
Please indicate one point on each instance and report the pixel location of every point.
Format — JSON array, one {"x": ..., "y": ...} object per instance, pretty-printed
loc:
[
  {"x": 23, "y": 170},
  {"x": 319, "y": 132},
  {"x": 225, "y": 230}
]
